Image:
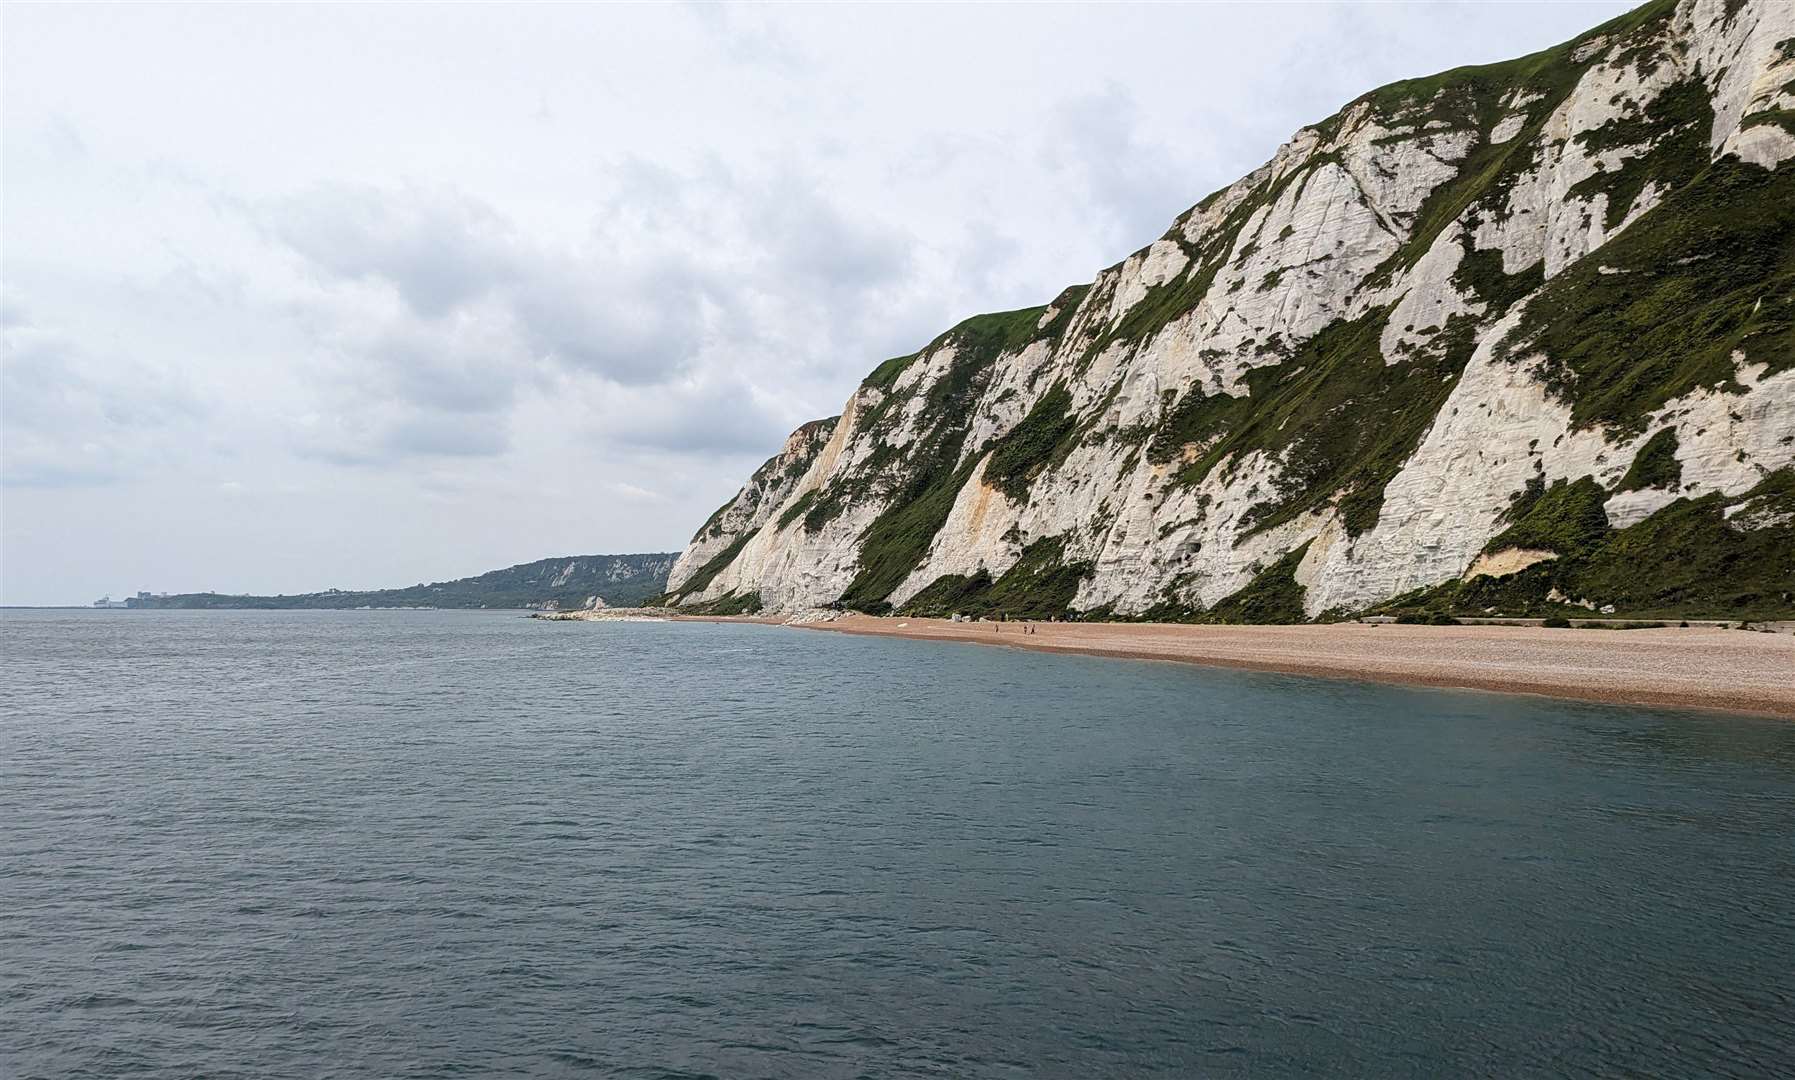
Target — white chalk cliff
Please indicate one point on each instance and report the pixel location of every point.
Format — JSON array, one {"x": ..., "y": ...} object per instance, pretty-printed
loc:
[{"x": 1461, "y": 299}]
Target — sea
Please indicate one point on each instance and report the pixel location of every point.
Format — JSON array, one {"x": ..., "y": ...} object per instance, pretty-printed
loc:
[{"x": 470, "y": 844}]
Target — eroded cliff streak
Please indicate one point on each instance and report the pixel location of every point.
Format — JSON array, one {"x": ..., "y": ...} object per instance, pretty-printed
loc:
[{"x": 1479, "y": 339}]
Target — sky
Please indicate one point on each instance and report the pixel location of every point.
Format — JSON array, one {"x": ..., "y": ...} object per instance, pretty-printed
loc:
[{"x": 360, "y": 296}]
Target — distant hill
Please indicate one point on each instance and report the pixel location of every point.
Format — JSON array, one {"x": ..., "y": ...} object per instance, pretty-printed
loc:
[{"x": 566, "y": 582}]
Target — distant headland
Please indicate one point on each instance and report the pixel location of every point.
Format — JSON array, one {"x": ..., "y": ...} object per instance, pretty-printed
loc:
[{"x": 565, "y": 583}]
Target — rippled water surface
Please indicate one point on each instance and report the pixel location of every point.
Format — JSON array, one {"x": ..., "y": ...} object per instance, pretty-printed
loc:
[{"x": 467, "y": 844}]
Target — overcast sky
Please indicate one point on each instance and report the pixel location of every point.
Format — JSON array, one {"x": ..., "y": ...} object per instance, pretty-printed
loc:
[{"x": 367, "y": 295}]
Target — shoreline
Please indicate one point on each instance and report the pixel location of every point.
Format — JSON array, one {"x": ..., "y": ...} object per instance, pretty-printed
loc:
[{"x": 1702, "y": 668}]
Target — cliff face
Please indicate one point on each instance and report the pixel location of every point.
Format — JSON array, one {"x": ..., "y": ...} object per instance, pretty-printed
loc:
[
  {"x": 766, "y": 491},
  {"x": 1503, "y": 337}
]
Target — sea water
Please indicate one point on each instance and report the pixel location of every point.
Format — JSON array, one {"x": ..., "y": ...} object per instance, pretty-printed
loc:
[{"x": 431, "y": 844}]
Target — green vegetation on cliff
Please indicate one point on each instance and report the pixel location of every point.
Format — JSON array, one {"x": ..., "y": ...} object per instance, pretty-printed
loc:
[
  {"x": 921, "y": 483},
  {"x": 1273, "y": 596},
  {"x": 1656, "y": 465},
  {"x": 1336, "y": 416},
  {"x": 1662, "y": 309},
  {"x": 1713, "y": 556},
  {"x": 729, "y": 604},
  {"x": 1566, "y": 518},
  {"x": 1040, "y": 586},
  {"x": 707, "y": 573},
  {"x": 1032, "y": 445}
]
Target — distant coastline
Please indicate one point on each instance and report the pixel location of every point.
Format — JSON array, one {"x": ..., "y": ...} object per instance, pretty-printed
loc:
[{"x": 562, "y": 583}]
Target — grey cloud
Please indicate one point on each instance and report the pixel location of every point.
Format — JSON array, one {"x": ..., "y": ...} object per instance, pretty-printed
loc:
[
  {"x": 814, "y": 242},
  {"x": 68, "y": 418},
  {"x": 724, "y": 416},
  {"x": 396, "y": 433},
  {"x": 635, "y": 328},
  {"x": 781, "y": 219},
  {"x": 1133, "y": 184},
  {"x": 658, "y": 284},
  {"x": 437, "y": 249},
  {"x": 989, "y": 258},
  {"x": 12, "y": 312},
  {"x": 636, "y": 322},
  {"x": 459, "y": 366},
  {"x": 63, "y": 139},
  {"x": 452, "y": 436},
  {"x": 745, "y": 37}
]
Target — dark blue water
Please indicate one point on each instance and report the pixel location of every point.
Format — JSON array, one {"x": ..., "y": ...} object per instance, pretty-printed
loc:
[{"x": 422, "y": 844}]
